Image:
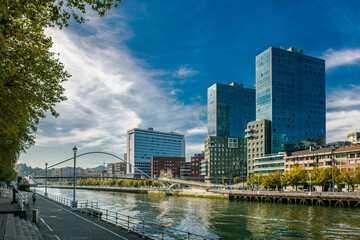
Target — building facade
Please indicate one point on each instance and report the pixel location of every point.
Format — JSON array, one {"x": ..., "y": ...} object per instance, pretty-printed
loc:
[
  {"x": 117, "y": 169},
  {"x": 195, "y": 165},
  {"x": 269, "y": 163},
  {"x": 164, "y": 164},
  {"x": 143, "y": 144},
  {"x": 354, "y": 137},
  {"x": 290, "y": 92},
  {"x": 229, "y": 109},
  {"x": 185, "y": 171},
  {"x": 225, "y": 158},
  {"x": 258, "y": 136},
  {"x": 310, "y": 158},
  {"x": 347, "y": 157}
]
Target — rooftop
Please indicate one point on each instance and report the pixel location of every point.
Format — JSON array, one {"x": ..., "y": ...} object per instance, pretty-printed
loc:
[
  {"x": 312, "y": 151},
  {"x": 346, "y": 149}
]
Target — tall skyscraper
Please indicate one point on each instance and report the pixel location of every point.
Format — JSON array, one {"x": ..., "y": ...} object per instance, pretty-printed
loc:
[
  {"x": 143, "y": 144},
  {"x": 290, "y": 92},
  {"x": 230, "y": 108}
]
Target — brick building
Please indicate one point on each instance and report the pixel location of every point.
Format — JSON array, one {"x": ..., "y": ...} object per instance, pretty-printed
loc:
[
  {"x": 195, "y": 165},
  {"x": 165, "y": 163}
]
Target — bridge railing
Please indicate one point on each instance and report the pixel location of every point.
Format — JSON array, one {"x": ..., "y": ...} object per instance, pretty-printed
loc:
[{"x": 148, "y": 229}]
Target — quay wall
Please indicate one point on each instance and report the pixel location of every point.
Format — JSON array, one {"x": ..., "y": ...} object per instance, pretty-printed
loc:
[{"x": 316, "y": 198}]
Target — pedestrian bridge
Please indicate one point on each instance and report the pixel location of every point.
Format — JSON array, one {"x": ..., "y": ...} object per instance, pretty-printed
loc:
[{"x": 172, "y": 182}]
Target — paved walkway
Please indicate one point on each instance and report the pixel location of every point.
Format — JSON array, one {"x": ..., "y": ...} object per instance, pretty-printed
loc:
[
  {"x": 5, "y": 202},
  {"x": 59, "y": 222}
]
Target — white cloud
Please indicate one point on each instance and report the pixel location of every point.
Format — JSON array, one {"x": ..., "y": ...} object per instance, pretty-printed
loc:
[
  {"x": 185, "y": 72},
  {"x": 340, "y": 58},
  {"x": 195, "y": 147},
  {"x": 340, "y": 123},
  {"x": 109, "y": 93},
  {"x": 197, "y": 130},
  {"x": 343, "y": 112},
  {"x": 344, "y": 98}
]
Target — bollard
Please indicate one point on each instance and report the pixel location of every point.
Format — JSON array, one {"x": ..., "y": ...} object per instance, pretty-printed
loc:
[
  {"x": 143, "y": 222},
  {"x": 162, "y": 231},
  {"x": 36, "y": 216},
  {"x": 128, "y": 224}
]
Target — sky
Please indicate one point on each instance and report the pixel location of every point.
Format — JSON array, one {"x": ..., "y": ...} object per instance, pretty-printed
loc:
[{"x": 149, "y": 64}]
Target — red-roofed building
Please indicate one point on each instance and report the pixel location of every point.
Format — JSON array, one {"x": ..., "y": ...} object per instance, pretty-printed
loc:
[{"x": 347, "y": 157}]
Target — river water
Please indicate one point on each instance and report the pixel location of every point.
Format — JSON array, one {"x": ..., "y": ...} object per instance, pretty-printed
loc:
[{"x": 225, "y": 219}]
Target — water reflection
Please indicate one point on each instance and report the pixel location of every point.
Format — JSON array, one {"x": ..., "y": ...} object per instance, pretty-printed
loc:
[{"x": 230, "y": 219}]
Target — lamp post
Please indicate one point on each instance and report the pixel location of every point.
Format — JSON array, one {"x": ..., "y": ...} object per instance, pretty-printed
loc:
[
  {"x": 332, "y": 177},
  {"x": 74, "y": 203},
  {"x": 310, "y": 184},
  {"x": 46, "y": 194},
  {"x": 258, "y": 183}
]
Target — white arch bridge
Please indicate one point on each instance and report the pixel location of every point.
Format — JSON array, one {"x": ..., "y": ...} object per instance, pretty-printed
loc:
[{"x": 65, "y": 170}]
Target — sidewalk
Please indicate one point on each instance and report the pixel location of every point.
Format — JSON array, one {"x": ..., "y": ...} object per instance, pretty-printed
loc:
[
  {"x": 5, "y": 202},
  {"x": 59, "y": 222}
]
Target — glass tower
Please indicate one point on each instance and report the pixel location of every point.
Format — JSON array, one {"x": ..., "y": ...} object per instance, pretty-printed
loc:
[
  {"x": 230, "y": 108},
  {"x": 143, "y": 144},
  {"x": 290, "y": 92}
]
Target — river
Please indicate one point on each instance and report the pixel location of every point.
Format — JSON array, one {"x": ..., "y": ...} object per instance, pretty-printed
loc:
[{"x": 225, "y": 219}]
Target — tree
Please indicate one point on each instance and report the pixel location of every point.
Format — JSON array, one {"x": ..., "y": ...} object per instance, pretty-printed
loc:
[
  {"x": 237, "y": 179},
  {"x": 8, "y": 174},
  {"x": 296, "y": 176},
  {"x": 272, "y": 180},
  {"x": 350, "y": 177},
  {"x": 254, "y": 179},
  {"x": 324, "y": 176},
  {"x": 30, "y": 74}
]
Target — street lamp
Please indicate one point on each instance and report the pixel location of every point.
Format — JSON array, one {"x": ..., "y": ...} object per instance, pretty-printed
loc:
[
  {"x": 46, "y": 194},
  {"x": 310, "y": 184},
  {"x": 332, "y": 177},
  {"x": 74, "y": 203}
]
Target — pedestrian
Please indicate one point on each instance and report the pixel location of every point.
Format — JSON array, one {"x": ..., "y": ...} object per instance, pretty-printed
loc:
[{"x": 33, "y": 198}]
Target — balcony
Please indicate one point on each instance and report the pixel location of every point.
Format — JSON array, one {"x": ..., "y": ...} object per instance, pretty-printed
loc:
[{"x": 249, "y": 135}]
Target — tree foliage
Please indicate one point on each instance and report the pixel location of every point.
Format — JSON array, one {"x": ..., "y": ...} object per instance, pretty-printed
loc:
[
  {"x": 237, "y": 179},
  {"x": 325, "y": 176},
  {"x": 272, "y": 180},
  {"x": 296, "y": 176},
  {"x": 254, "y": 179},
  {"x": 30, "y": 74},
  {"x": 350, "y": 177}
]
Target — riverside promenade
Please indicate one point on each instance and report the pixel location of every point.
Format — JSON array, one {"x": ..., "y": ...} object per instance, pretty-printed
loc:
[{"x": 60, "y": 222}]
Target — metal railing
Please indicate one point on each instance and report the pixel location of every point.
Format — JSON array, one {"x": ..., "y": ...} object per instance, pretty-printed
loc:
[
  {"x": 148, "y": 229},
  {"x": 340, "y": 194},
  {"x": 22, "y": 199}
]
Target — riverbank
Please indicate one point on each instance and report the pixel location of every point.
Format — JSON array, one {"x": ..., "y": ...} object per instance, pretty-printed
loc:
[
  {"x": 198, "y": 193},
  {"x": 315, "y": 198}
]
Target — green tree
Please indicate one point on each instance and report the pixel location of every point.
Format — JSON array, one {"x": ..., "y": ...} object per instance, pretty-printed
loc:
[
  {"x": 254, "y": 179},
  {"x": 272, "y": 180},
  {"x": 8, "y": 174},
  {"x": 350, "y": 177},
  {"x": 30, "y": 74},
  {"x": 296, "y": 176},
  {"x": 237, "y": 179}
]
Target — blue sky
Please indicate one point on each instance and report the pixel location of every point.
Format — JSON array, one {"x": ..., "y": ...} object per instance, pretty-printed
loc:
[{"x": 149, "y": 64}]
